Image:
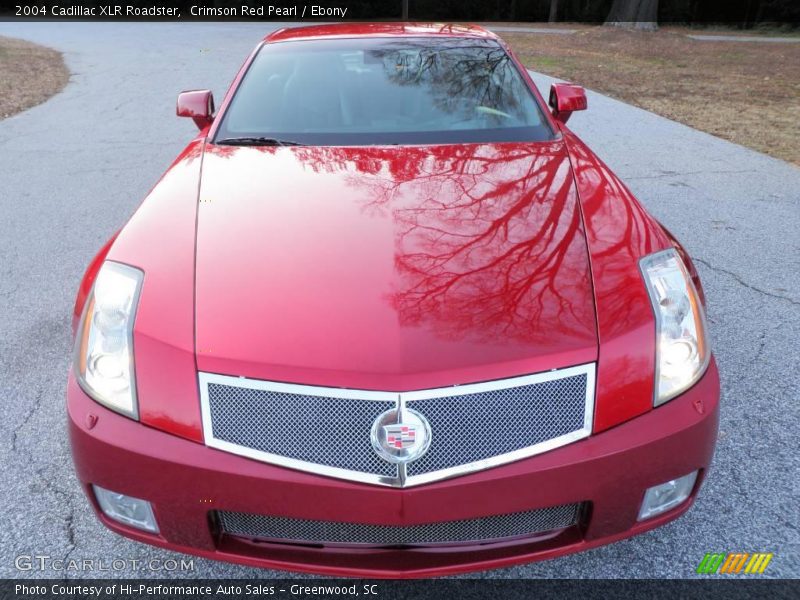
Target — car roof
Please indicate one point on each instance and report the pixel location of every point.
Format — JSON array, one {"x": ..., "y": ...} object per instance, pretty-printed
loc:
[{"x": 348, "y": 30}]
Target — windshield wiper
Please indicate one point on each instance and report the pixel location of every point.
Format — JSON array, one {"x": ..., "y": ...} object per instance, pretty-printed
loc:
[{"x": 256, "y": 141}]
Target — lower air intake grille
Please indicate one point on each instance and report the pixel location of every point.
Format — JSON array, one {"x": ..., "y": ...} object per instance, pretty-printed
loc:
[{"x": 483, "y": 529}]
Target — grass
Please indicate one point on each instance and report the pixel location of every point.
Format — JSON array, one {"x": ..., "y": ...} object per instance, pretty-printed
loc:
[
  {"x": 745, "y": 92},
  {"x": 29, "y": 75}
]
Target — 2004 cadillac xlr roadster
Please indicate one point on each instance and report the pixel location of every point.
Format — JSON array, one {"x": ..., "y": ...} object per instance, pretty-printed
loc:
[{"x": 386, "y": 315}]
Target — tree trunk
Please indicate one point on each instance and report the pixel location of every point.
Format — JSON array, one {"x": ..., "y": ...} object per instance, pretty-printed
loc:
[
  {"x": 759, "y": 13},
  {"x": 553, "y": 11},
  {"x": 405, "y": 10},
  {"x": 634, "y": 14}
]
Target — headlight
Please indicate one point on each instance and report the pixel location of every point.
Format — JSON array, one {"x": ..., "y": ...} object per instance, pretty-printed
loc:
[
  {"x": 104, "y": 351},
  {"x": 682, "y": 352}
]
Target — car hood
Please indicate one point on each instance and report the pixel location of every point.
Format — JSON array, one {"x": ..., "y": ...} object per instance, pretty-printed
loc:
[{"x": 391, "y": 268}]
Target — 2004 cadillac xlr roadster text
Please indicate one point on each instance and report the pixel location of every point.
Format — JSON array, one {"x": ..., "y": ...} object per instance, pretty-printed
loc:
[{"x": 386, "y": 315}]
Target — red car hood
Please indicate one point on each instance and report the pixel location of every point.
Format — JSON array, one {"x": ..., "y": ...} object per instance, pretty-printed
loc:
[{"x": 391, "y": 268}]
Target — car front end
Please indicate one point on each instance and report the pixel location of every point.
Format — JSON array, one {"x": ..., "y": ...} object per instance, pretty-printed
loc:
[
  {"x": 389, "y": 360},
  {"x": 226, "y": 507}
]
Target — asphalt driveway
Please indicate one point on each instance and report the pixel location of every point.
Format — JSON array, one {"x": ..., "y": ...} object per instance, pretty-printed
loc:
[{"x": 72, "y": 171}]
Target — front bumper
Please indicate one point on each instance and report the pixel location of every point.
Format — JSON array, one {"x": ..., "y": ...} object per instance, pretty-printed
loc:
[{"x": 188, "y": 482}]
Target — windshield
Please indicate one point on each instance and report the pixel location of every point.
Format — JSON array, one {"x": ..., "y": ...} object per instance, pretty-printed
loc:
[{"x": 384, "y": 91}]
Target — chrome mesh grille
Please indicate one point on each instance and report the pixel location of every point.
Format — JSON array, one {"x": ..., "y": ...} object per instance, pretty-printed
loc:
[
  {"x": 482, "y": 529},
  {"x": 327, "y": 431},
  {"x": 478, "y": 426}
]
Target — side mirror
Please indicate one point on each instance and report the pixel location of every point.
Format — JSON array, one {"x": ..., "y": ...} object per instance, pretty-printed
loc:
[
  {"x": 197, "y": 104},
  {"x": 566, "y": 98}
]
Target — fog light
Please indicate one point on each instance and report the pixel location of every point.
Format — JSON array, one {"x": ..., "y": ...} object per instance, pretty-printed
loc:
[
  {"x": 126, "y": 509},
  {"x": 660, "y": 498}
]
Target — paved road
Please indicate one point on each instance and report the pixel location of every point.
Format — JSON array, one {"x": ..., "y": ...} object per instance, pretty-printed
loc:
[{"x": 74, "y": 168}]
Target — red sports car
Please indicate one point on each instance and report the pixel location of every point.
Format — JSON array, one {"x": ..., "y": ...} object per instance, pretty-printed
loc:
[{"x": 387, "y": 316}]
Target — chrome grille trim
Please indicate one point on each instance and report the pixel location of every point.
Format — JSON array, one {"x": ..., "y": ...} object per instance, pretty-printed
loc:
[
  {"x": 299, "y": 426},
  {"x": 494, "y": 528},
  {"x": 400, "y": 478},
  {"x": 500, "y": 427}
]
